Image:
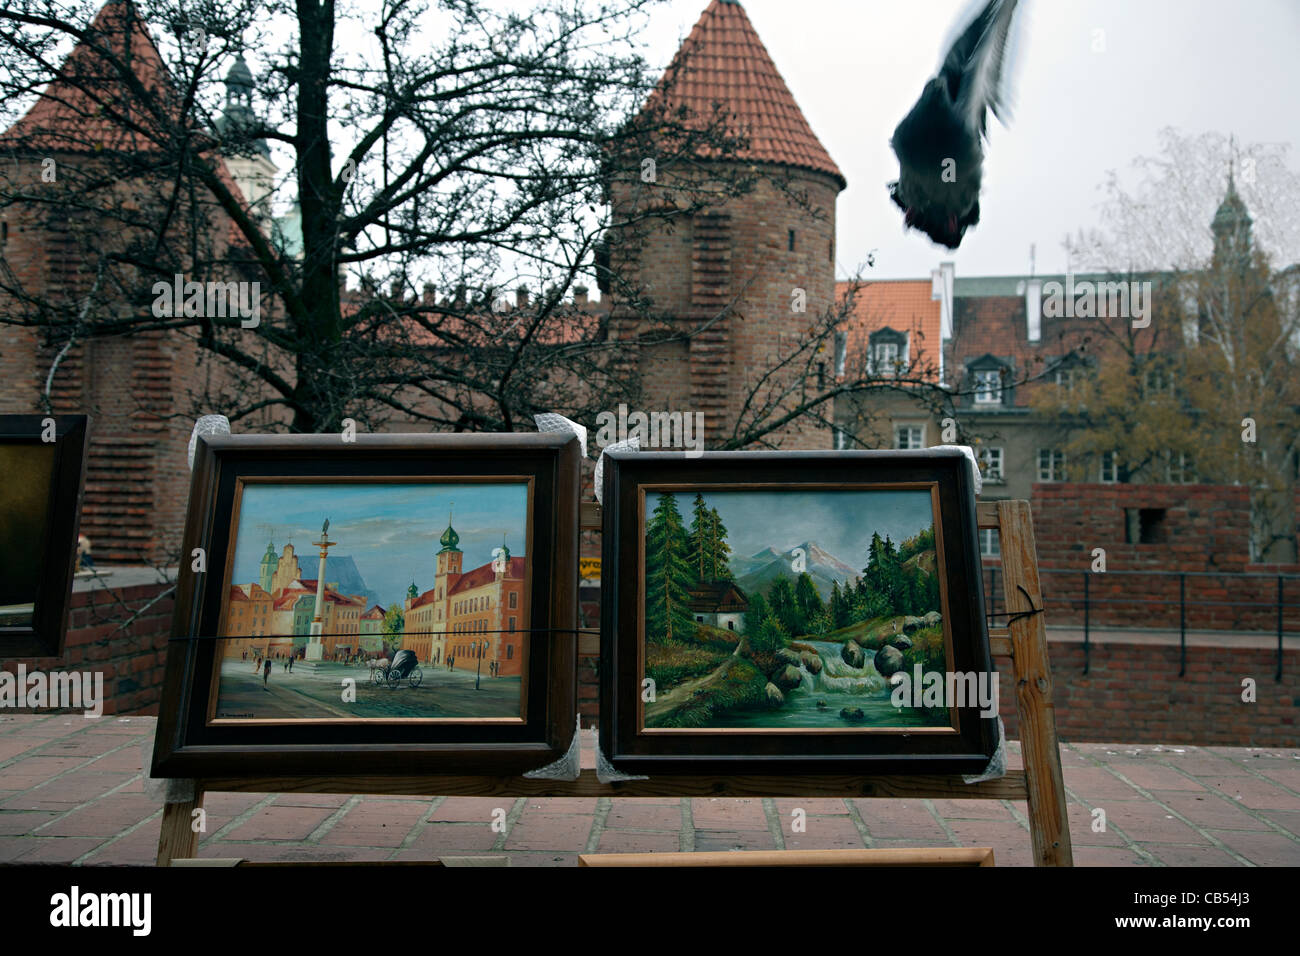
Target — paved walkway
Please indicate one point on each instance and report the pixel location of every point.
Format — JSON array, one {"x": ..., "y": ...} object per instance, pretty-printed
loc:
[{"x": 72, "y": 791}]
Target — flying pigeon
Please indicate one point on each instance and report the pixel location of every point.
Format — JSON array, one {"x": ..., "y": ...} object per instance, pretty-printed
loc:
[{"x": 938, "y": 144}]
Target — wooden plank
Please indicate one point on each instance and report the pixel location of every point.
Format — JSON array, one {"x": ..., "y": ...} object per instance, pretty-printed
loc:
[
  {"x": 589, "y": 518},
  {"x": 178, "y": 837},
  {"x": 921, "y": 856},
  {"x": 1048, "y": 825},
  {"x": 986, "y": 514},
  {"x": 1000, "y": 642},
  {"x": 933, "y": 786},
  {"x": 588, "y": 645}
]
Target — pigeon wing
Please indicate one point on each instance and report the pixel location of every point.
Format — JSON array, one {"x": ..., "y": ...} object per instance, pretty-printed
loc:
[{"x": 973, "y": 67}]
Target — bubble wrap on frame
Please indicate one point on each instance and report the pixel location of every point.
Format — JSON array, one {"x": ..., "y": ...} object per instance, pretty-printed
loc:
[
  {"x": 997, "y": 765},
  {"x": 974, "y": 466},
  {"x": 567, "y": 767},
  {"x": 207, "y": 425},
  {"x": 551, "y": 422},
  {"x": 605, "y": 771}
]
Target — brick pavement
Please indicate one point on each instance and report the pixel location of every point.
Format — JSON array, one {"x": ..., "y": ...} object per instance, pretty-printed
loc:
[{"x": 72, "y": 791}]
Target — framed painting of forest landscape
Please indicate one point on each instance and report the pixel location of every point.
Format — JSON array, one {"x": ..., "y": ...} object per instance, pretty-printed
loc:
[
  {"x": 399, "y": 604},
  {"x": 42, "y": 461},
  {"x": 794, "y": 612}
]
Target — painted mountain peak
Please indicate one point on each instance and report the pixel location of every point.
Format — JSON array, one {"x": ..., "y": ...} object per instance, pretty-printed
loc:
[{"x": 767, "y": 565}]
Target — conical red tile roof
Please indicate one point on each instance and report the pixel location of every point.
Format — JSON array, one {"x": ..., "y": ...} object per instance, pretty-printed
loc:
[
  {"x": 87, "y": 107},
  {"x": 724, "y": 62}
]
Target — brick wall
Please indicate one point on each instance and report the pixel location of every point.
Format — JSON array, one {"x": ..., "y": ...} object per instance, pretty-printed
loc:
[
  {"x": 1205, "y": 532},
  {"x": 131, "y": 658},
  {"x": 1132, "y": 694}
]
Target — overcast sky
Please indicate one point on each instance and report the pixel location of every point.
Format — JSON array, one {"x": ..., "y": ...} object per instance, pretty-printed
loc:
[{"x": 857, "y": 66}]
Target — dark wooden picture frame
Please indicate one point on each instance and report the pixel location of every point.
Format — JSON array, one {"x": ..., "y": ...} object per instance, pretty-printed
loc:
[
  {"x": 189, "y": 743},
  {"x": 633, "y": 746},
  {"x": 58, "y": 515}
]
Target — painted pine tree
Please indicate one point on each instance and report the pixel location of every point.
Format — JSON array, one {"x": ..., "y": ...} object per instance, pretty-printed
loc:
[
  {"x": 699, "y": 540},
  {"x": 720, "y": 556},
  {"x": 807, "y": 598},
  {"x": 668, "y": 574}
]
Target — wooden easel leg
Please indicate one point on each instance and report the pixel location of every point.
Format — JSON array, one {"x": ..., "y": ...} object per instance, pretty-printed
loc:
[
  {"x": 1048, "y": 820},
  {"x": 178, "y": 839}
]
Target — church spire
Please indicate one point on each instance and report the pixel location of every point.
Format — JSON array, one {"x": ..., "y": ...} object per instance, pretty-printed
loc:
[
  {"x": 450, "y": 539},
  {"x": 1231, "y": 224}
]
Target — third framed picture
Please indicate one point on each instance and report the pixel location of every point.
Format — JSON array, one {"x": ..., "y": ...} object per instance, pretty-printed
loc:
[{"x": 817, "y": 612}]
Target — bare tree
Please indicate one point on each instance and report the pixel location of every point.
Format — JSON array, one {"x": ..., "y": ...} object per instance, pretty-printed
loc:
[
  {"x": 1211, "y": 390},
  {"x": 442, "y": 158}
]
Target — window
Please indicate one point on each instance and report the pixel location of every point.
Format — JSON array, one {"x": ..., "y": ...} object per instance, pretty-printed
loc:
[
  {"x": 1109, "y": 467},
  {"x": 841, "y": 438},
  {"x": 988, "y": 387},
  {"x": 731, "y": 625},
  {"x": 510, "y": 652},
  {"x": 1159, "y": 379},
  {"x": 991, "y": 464},
  {"x": 514, "y": 600},
  {"x": 1051, "y": 464},
  {"x": 990, "y": 547},
  {"x": 909, "y": 436},
  {"x": 885, "y": 358},
  {"x": 512, "y": 625},
  {"x": 1144, "y": 525},
  {"x": 699, "y": 619},
  {"x": 790, "y": 240},
  {"x": 887, "y": 352},
  {"x": 1179, "y": 468}
]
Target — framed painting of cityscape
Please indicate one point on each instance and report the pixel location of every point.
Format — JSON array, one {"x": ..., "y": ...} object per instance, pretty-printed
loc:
[
  {"x": 42, "y": 461},
  {"x": 398, "y": 604},
  {"x": 816, "y": 612}
]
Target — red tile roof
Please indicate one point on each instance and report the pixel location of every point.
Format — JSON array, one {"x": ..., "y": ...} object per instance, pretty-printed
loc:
[
  {"x": 425, "y": 598},
  {"x": 482, "y": 575},
  {"x": 87, "y": 107},
  {"x": 288, "y": 599},
  {"x": 724, "y": 62},
  {"x": 902, "y": 305}
]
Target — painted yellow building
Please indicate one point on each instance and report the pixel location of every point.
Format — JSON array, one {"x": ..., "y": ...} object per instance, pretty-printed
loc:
[{"x": 464, "y": 614}]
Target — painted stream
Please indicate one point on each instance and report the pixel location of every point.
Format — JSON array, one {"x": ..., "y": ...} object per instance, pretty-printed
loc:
[{"x": 837, "y": 686}]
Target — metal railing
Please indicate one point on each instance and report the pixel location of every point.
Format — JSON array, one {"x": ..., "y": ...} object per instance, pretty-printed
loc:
[{"x": 1250, "y": 587}]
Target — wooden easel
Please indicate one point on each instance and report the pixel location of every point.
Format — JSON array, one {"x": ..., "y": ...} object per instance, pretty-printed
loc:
[{"x": 1024, "y": 641}]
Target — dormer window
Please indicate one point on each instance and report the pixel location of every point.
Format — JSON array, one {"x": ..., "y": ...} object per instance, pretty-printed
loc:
[
  {"x": 1068, "y": 371},
  {"x": 888, "y": 352},
  {"x": 986, "y": 380},
  {"x": 988, "y": 387}
]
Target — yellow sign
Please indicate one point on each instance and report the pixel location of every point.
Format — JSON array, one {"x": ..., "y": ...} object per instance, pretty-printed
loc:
[{"x": 588, "y": 568}]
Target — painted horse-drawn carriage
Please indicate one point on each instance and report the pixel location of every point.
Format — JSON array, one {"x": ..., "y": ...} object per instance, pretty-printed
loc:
[{"x": 403, "y": 667}]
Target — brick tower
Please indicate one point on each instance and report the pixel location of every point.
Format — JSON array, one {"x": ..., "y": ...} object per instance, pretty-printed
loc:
[{"x": 737, "y": 263}]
